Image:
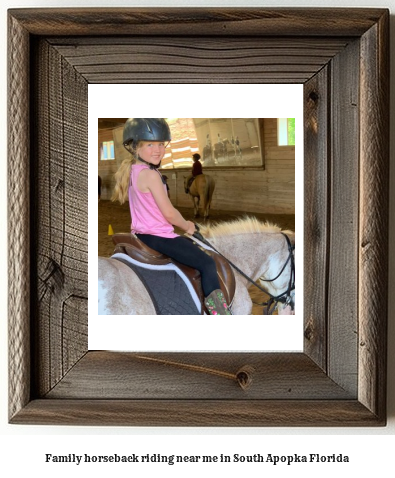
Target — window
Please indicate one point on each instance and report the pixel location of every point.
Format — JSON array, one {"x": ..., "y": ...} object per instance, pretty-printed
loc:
[
  {"x": 286, "y": 131},
  {"x": 107, "y": 150}
]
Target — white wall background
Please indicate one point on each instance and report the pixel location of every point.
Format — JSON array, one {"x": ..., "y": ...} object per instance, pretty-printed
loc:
[{"x": 25, "y": 446}]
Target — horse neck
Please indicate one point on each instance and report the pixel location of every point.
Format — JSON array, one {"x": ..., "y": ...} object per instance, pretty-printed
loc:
[{"x": 255, "y": 254}]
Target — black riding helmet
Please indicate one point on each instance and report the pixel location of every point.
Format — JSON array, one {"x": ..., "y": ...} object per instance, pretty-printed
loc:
[{"x": 145, "y": 129}]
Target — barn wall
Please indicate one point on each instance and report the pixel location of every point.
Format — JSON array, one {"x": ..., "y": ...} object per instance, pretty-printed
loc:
[{"x": 271, "y": 190}]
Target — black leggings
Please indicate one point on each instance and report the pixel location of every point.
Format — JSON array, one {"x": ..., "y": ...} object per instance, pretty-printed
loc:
[{"x": 184, "y": 251}]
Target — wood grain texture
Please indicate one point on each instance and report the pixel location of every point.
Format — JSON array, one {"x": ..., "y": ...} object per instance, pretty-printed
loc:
[
  {"x": 61, "y": 235},
  {"x": 317, "y": 387},
  {"x": 328, "y": 22},
  {"x": 18, "y": 212},
  {"x": 343, "y": 222},
  {"x": 373, "y": 227},
  {"x": 183, "y": 376},
  {"x": 316, "y": 214},
  {"x": 197, "y": 60},
  {"x": 201, "y": 413}
]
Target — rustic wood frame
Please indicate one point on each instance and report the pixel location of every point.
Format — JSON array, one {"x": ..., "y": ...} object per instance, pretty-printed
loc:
[{"x": 342, "y": 58}]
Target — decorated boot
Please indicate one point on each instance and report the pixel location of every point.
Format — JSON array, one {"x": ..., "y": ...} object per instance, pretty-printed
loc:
[{"x": 216, "y": 303}]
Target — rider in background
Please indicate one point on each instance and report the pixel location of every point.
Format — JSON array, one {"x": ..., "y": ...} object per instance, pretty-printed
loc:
[
  {"x": 196, "y": 170},
  {"x": 153, "y": 215}
]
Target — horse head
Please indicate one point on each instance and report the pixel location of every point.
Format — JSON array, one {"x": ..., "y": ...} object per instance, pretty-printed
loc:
[{"x": 281, "y": 286}]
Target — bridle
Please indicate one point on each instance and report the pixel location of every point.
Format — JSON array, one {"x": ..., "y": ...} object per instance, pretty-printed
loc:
[{"x": 285, "y": 297}]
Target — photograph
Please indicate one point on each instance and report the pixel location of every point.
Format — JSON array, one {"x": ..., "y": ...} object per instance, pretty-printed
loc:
[{"x": 210, "y": 230}]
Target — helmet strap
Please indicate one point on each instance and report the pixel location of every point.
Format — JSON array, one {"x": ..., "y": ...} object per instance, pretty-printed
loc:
[{"x": 151, "y": 166}]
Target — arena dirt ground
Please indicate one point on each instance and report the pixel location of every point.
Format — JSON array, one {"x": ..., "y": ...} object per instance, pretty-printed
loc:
[{"x": 118, "y": 217}]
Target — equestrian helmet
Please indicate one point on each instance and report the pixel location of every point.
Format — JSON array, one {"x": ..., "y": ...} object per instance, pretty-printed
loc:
[{"x": 145, "y": 129}]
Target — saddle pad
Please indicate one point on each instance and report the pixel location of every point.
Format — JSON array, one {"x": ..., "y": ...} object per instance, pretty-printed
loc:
[{"x": 168, "y": 287}]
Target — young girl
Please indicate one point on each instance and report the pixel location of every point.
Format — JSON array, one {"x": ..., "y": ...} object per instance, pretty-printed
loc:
[{"x": 153, "y": 215}]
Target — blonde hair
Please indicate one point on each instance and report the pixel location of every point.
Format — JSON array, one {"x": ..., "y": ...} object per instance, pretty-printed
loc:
[{"x": 122, "y": 176}]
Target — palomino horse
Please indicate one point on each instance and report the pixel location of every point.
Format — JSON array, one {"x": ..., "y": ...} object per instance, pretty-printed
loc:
[
  {"x": 202, "y": 189},
  {"x": 259, "y": 249}
]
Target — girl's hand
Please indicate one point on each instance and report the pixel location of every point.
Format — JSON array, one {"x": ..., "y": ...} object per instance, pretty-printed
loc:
[{"x": 191, "y": 228}]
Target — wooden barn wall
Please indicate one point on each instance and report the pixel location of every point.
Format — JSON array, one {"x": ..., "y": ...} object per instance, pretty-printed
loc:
[{"x": 269, "y": 190}]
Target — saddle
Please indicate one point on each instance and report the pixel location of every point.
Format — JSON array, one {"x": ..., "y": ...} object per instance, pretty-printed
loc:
[{"x": 131, "y": 245}]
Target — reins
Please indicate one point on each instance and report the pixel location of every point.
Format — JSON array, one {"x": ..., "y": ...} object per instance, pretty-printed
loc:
[{"x": 284, "y": 297}]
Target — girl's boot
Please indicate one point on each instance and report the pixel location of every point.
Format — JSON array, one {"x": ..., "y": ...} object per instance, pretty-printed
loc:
[{"x": 216, "y": 303}]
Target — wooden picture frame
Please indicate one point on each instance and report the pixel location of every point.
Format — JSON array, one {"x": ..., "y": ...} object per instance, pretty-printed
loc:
[{"x": 342, "y": 58}]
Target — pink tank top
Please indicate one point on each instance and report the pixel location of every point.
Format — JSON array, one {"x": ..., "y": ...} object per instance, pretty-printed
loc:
[{"x": 146, "y": 215}]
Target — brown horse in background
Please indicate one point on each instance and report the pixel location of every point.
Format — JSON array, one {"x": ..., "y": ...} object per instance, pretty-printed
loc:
[{"x": 202, "y": 189}]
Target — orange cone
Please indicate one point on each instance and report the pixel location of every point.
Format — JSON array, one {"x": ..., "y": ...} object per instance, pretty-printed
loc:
[{"x": 110, "y": 230}]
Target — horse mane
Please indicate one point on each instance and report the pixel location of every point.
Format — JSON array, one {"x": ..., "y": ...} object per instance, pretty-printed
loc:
[{"x": 244, "y": 225}]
